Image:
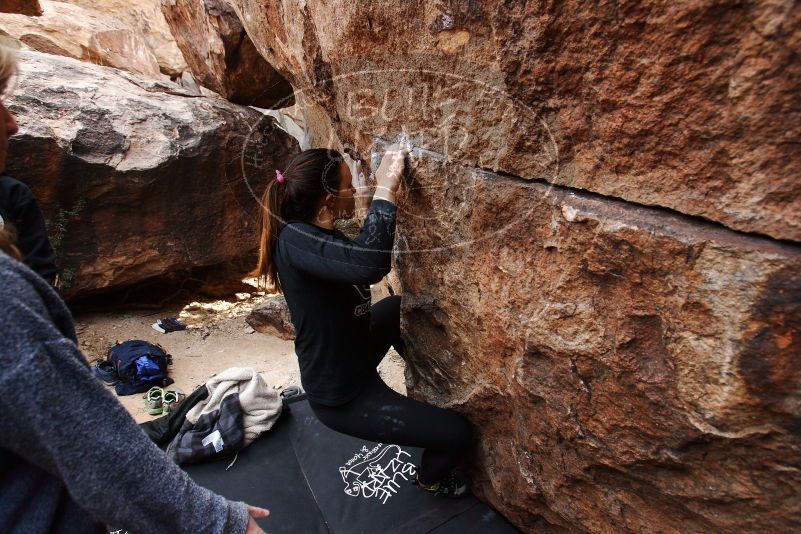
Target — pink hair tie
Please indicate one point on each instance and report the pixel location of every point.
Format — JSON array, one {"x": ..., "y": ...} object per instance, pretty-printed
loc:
[{"x": 279, "y": 176}]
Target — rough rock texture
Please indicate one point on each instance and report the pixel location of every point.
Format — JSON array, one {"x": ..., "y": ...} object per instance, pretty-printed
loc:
[
  {"x": 628, "y": 369},
  {"x": 691, "y": 106},
  {"x": 272, "y": 318},
  {"x": 222, "y": 56},
  {"x": 581, "y": 247},
  {"x": 23, "y": 7},
  {"x": 144, "y": 17},
  {"x": 135, "y": 177},
  {"x": 85, "y": 34}
]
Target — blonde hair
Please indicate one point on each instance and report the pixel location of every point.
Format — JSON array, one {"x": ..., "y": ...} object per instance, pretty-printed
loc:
[
  {"x": 8, "y": 66},
  {"x": 8, "y": 69}
]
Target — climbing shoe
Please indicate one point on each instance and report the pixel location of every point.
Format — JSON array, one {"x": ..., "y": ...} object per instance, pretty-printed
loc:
[
  {"x": 290, "y": 391},
  {"x": 450, "y": 486},
  {"x": 167, "y": 325},
  {"x": 153, "y": 400},
  {"x": 171, "y": 400},
  {"x": 173, "y": 323},
  {"x": 106, "y": 372}
]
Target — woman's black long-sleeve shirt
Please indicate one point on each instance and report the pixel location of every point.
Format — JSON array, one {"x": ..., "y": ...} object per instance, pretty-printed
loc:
[{"x": 326, "y": 280}]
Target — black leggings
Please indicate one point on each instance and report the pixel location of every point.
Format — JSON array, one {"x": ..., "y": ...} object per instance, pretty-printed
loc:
[{"x": 383, "y": 415}]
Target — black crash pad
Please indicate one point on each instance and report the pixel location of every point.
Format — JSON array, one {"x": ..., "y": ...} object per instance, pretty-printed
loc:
[{"x": 315, "y": 480}]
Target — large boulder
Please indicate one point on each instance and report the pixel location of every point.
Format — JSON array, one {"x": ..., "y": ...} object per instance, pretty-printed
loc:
[
  {"x": 626, "y": 369},
  {"x": 144, "y": 17},
  {"x": 221, "y": 55},
  {"x": 690, "y": 106},
  {"x": 86, "y": 34},
  {"x": 23, "y": 7},
  {"x": 273, "y": 318},
  {"x": 598, "y": 247},
  {"x": 137, "y": 177}
]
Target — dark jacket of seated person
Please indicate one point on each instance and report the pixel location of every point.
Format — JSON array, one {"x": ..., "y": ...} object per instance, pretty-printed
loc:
[{"x": 19, "y": 207}]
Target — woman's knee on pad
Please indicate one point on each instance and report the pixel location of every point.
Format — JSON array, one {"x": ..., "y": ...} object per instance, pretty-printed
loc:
[
  {"x": 386, "y": 312},
  {"x": 385, "y": 320},
  {"x": 462, "y": 432}
]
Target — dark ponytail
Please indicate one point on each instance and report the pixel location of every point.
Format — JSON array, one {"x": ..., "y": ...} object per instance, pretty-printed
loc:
[{"x": 308, "y": 177}]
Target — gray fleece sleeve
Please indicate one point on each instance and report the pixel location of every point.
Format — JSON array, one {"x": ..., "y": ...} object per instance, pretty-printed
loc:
[{"x": 59, "y": 417}]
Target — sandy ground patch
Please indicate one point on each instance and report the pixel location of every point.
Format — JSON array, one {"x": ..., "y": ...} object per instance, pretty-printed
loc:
[{"x": 217, "y": 338}]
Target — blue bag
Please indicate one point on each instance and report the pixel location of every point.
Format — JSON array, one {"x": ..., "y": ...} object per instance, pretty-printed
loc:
[{"x": 140, "y": 365}]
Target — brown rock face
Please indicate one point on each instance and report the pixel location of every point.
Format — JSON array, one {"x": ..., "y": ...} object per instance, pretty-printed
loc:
[
  {"x": 692, "y": 107},
  {"x": 627, "y": 369},
  {"x": 221, "y": 55},
  {"x": 586, "y": 244},
  {"x": 272, "y": 318},
  {"x": 136, "y": 178},
  {"x": 85, "y": 34},
  {"x": 23, "y": 7}
]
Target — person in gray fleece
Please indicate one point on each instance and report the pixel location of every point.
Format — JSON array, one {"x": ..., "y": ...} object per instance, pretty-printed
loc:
[{"x": 71, "y": 458}]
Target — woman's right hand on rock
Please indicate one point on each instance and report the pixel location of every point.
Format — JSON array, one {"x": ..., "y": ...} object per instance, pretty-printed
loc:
[{"x": 390, "y": 170}]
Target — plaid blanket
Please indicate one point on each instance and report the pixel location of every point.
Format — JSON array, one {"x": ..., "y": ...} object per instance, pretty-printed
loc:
[
  {"x": 216, "y": 433},
  {"x": 239, "y": 407}
]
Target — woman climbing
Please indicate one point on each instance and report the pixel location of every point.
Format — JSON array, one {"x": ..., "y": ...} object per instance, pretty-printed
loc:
[{"x": 340, "y": 337}]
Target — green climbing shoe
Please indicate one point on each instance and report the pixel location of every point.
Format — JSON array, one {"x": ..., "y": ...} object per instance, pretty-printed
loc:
[{"x": 153, "y": 400}]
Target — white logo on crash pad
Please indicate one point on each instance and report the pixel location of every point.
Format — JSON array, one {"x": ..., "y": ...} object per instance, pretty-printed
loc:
[{"x": 376, "y": 472}]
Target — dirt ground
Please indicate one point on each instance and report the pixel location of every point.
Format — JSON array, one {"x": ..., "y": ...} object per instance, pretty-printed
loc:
[{"x": 217, "y": 338}]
